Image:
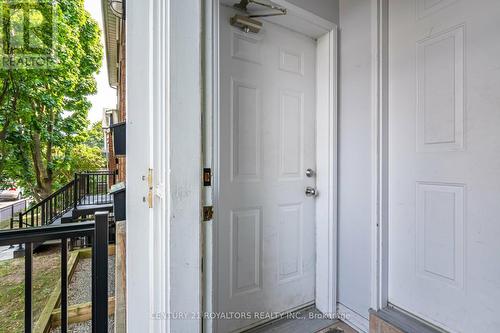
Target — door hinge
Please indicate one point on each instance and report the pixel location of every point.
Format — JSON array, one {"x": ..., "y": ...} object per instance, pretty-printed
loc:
[
  {"x": 208, "y": 213},
  {"x": 207, "y": 177},
  {"x": 150, "y": 188}
]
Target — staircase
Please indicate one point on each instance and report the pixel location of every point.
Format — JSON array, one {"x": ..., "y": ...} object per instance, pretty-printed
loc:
[
  {"x": 80, "y": 198},
  {"x": 77, "y": 201}
]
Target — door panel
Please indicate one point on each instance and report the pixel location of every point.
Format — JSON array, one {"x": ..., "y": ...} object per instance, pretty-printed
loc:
[
  {"x": 444, "y": 164},
  {"x": 266, "y": 224}
]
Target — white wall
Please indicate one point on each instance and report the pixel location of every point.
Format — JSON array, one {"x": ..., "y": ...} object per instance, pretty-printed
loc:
[
  {"x": 327, "y": 9},
  {"x": 355, "y": 155}
]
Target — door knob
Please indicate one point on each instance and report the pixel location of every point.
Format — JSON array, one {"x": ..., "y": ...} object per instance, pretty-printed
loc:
[{"x": 311, "y": 192}]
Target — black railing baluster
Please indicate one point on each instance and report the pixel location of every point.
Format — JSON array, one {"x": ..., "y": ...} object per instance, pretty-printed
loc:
[
  {"x": 50, "y": 209},
  {"x": 75, "y": 191},
  {"x": 88, "y": 184},
  {"x": 64, "y": 285},
  {"x": 100, "y": 273},
  {"x": 28, "y": 287},
  {"x": 97, "y": 188},
  {"x": 42, "y": 215},
  {"x": 98, "y": 231},
  {"x": 99, "y": 193},
  {"x": 12, "y": 218}
]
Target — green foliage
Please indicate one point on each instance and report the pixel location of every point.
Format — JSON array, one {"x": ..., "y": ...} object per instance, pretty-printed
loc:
[{"x": 44, "y": 133}]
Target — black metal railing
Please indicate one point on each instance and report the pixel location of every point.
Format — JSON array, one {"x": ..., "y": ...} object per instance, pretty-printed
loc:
[
  {"x": 93, "y": 188},
  {"x": 98, "y": 233},
  {"x": 88, "y": 188},
  {"x": 50, "y": 208},
  {"x": 9, "y": 213}
]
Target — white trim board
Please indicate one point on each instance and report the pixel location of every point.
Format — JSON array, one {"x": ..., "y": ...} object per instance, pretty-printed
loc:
[
  {"x": 326, "y": 165},
  {"x": 326, "y": 206},
  {"x": 379, "y": 188},
  {"x": 163, "y": 243},
  {"x": 142, "y": 45}
]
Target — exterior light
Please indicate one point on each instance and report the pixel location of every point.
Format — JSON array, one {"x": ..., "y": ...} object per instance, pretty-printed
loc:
[{"x": 116, "y": 7}]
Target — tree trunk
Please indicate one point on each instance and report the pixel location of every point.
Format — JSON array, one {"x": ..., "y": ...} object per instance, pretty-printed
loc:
[{"x": 43, "y": 177}]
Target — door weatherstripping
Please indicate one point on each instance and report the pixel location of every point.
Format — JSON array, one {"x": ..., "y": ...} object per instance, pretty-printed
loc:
[{"x": 150, "y": 188}]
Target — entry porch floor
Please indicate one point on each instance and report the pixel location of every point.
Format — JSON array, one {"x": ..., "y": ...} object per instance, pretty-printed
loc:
[{"x": 308, "y": 320}]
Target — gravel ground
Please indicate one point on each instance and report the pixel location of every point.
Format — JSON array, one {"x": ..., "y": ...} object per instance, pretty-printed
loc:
[
  {"x": 86, "y": 326},
  {"x": 80, "y": 291},
  {"x": 80, "y": 287}
]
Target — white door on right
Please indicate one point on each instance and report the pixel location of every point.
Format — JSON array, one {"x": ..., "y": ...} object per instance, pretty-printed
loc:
[{"x": 444, "y": 164}]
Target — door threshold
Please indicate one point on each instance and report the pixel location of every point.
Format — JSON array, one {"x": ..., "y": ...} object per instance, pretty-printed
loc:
[
  {"x": 392, "y": 319},
  {"x": 305, "y": 320}
]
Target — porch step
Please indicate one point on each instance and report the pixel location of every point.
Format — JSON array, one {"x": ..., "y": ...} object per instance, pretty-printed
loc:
[
  {"x": 83, "y": 210},
  {"x": 66, "y": 218},
  {"x": 91, "y": 209}
]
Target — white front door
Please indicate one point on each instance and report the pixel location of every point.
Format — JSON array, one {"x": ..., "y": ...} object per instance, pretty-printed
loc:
[
  {"x": 444, "y": 182},
  {"x": 266, "y": 141}
]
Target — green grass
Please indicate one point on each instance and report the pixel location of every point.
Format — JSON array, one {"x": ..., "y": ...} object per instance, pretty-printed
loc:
[
  {"x": 5, "y": 224},
  {"x": 46, "y": 273}
]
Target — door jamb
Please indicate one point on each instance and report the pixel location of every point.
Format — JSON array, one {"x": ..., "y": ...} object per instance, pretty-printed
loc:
[
  {"x": 326, "y": 241},
  {"x": 380, "y": 145},
  {"x": 163, "y": 242},
  {"x": 327, "y": 173}
]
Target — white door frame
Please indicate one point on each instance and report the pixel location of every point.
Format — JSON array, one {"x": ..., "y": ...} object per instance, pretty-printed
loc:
[
  {"x": 143, "y": 41},
  {"x": 380, "y": 159},
  {"x": 326, "y": 133},
  {"x": 163, "y": 104}
]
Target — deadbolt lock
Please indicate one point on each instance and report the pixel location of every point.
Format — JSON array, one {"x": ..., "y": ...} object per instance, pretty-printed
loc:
[{"x": 309, "y": 172}]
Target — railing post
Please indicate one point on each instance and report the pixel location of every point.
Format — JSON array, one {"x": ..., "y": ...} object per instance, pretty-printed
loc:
[
  {"x": 28, "y": 288},
  {"x": 87, "y": 185},
  {"x": 100, "y": 274},
  {"x": 64, "y": 285},
  {"x": 20, "y": 226},
  {"x": 75, "y": 191},
  {"x": 12, "y": 217},
  {"x": 12, "y": 224}
]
